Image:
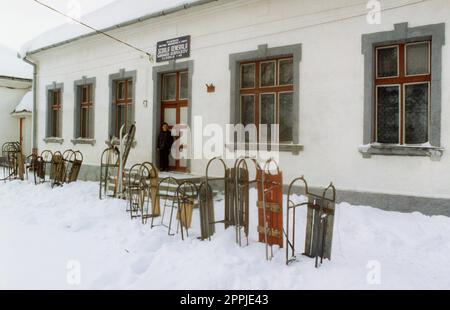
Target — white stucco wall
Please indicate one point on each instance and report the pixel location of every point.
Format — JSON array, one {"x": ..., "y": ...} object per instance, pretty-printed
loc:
[
  {"x": 9, "y": 127},
  {"x": 331, "y": 84}
]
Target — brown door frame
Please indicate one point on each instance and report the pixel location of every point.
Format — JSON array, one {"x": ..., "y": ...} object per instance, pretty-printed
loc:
[{"x": 177, "y": 104}]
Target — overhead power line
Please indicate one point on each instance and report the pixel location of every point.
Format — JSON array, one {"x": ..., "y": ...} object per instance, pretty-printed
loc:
[{"x": 150, "y": 56}]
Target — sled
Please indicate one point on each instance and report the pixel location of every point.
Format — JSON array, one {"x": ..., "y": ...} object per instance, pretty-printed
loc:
[
  {"x": 73, "y": 162},
  {"x": 186, "y": 194},
  {"x": 57, "y": 170},
  {"x": 11, "y": 161},
  {"x": 320, "y": 222},
  {"x": 167, "y": 195},
  {"x": 40, "y": 167},
  {"x": 112, "y": 165},
  {"x": 242, "y": 184},
  {"x": 207, "y": 192}
]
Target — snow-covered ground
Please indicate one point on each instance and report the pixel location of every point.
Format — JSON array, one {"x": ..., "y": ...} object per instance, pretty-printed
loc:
[{"x": 50, "y": 239}]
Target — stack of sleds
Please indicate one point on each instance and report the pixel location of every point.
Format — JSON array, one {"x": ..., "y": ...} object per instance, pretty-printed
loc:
[
  {"x": 57, "y": 168},
  {"x": 12, "y": 161},
  {"x": 170, "y": 203},
  {"x": 113, "y": 163}
]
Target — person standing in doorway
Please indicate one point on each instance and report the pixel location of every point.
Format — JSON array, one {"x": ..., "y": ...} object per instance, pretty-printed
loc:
[{"x": 165, "y": 141}]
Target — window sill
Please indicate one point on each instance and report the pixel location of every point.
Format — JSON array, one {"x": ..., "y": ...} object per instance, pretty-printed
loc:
[
  {"x": 435, "y": 153},
  {"x": 282, "y": 147},
  {"x": 54, "y": 140},
  {"x": 84, "y": 141}
]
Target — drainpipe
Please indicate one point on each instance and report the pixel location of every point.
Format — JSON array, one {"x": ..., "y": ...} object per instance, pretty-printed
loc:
[{"x": 34, "y": 116}]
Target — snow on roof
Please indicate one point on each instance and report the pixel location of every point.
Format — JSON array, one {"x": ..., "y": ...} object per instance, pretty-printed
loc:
[
  {"x": 26, "y": 104},
  {"x": 115, "y": 13},
  {"x": 12, "y": 66}
]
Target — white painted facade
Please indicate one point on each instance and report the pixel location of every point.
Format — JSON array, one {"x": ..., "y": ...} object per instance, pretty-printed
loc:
[
  {"x": 331, "y": 84},
  {"x": 12, "y": 91}
]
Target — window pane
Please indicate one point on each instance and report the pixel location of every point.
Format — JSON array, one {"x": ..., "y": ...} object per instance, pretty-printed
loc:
[
  {"x": 416, "y": 113},
  {"x": 387, "y": 62},
  {"x": 170, "y": 116},
  {"x": 417, "y": 59},
  {"x": 388, "y": 114},
  {"x": 248, "y": 76},
  {"x": 55, "y": 97},
  {"x": 169, "y": 87},
  {"x": 267, "y": 116},
  {"x": 184, "y": 115},
  {"x": 84, "y": 94},
  {"x": 55, "y": 123},
  {"x": 184, "y": 93},
  {"x": 267, "y": 108},
  {"x": 121, "y": 118},
  {"x": 130, "y": 89},
  {"x": 84, "y": 123},
  {"x": 247, "y": 110},
  {"x": 286, "y": 72},
  {"x": 268, "y": 74},
  {"x": 120, "y": 90},
  {"x": 286, "y": 113}
]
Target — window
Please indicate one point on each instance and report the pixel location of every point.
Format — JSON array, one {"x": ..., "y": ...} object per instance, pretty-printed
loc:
[
  {"x": 266, "y": 96},
  {"x": 403, "y": 91},
  {"x": 403, "y": 85},
  {"x": 55, "y": 113},
  {"x": 86, "y": 111},
  {"x": 123, "y": 104}
]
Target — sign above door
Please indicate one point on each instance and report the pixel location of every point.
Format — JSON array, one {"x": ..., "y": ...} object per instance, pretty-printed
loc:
[{"x": 173, "y": 49}]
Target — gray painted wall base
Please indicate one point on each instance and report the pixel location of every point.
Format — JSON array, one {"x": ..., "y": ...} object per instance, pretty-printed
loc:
[
  {"x": 387, "y": 202},
  {"x": 390, "y": 202}
]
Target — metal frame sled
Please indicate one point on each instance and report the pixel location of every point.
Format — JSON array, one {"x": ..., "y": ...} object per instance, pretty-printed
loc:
[
  {"x": 142, "y": 192},
  {"x": 112, "y": 165},
  {"x": 12, "y": 161},
  {"x": 319, "y": 226}
]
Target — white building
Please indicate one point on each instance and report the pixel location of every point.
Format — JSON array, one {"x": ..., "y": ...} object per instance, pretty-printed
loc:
[
  {"x": 15, "y": 102},
  {"x": 363, "y": 100}
]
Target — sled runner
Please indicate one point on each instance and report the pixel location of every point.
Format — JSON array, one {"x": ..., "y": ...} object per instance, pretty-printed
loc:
[{"x": 320, "y": 222}]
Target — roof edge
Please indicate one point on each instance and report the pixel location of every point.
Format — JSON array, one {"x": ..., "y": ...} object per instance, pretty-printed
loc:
[
  {"x": 13, "y": 78},
  {"x": 122, "y": 25}
]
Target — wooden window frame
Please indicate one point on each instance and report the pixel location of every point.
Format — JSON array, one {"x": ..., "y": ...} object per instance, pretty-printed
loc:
[
  {"x": 55, "y": 105},
  {"x": 258, "y": 90},
  {"x": 125, "y": 101},
  {"x": 401, "y": 80},
  {"x": 88, "y": 104}
]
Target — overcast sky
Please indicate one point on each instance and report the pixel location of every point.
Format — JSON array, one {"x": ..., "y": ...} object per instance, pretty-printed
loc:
[{"x": 21, "y": 20}]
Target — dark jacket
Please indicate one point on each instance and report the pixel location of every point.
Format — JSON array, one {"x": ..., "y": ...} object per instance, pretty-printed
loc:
[{"x": 165, "y": 141}]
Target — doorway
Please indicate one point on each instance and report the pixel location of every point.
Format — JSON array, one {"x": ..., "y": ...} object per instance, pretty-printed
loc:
[{"x": 175, "y": 111}]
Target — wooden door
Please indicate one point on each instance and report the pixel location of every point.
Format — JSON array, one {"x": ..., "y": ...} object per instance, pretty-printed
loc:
[{"x": 174, "y": 110}]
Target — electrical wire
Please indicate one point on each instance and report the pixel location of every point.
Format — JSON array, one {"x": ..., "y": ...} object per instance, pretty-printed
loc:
[{"x": 150, "y": 56}]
